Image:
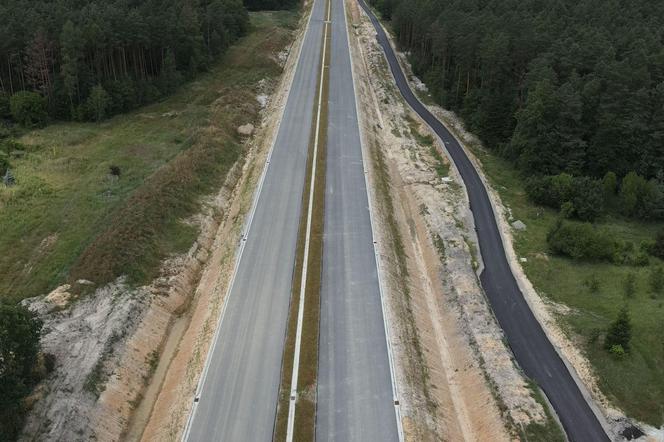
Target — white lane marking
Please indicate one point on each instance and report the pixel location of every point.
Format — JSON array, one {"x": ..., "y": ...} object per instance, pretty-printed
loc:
[
  {"x": 248, "y": 223},
  {"x": 303, "y": 281},
  {"x": 388, "y": 339}
]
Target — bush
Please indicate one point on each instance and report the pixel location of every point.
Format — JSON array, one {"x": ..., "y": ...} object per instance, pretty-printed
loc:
[
  {"x": 582, "y": 241},
  {"x": 579, "y": 197},
  {"x": 618, "y": 351},
  {"x": 551, "y": 191},
  {"x": 610, "y": 184},
  {"x": 4, "y": 165},
  {"x": 123, "y": 95},
  {"x": 640, "y": 198},
  {"x": 657, "y": 248},
  {"x": 629, "y": 285},
  {"x": 4, "y": 106},
  {"x": 619, "y": 332},
  {"x": 656, "y": 279},
  {"x": 98, "y": 103},
  {"x": 19, "y": 339},
  {"x": 593, "y": 283},
  {"x": 28, "y": 108}
]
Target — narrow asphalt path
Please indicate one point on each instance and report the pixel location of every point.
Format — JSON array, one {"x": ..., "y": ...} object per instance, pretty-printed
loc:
[
  {"x": 529, "y": 343},
  {"x": 355, "y": 399},
  {"x": 239, "y": 389}
]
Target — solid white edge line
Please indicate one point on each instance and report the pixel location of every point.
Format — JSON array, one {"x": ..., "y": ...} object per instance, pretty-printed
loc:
[
  {"x": 245, "y": 234},
  {"x": 388, "y": 338},
  {"x": 303, "y": 280}
]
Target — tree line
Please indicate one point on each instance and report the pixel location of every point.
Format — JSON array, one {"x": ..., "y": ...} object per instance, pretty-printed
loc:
[
  {"x": 87, "y": 59},
  {"x": 562, "y": 86},
  {"x": 254, "y": 5}
]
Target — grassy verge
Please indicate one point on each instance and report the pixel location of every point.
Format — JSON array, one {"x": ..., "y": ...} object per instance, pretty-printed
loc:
[
  {"x": 305, "y": 411},
  {"x": 68, "y": 217},
  {"x": 550, "y": 430},
  {"x": 634, "y": 383}
]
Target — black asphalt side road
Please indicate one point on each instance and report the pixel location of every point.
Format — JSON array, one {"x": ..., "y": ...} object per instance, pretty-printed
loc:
[{"x": 531, "y": 347}]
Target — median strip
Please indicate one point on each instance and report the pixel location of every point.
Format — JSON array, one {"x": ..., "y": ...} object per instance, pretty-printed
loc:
[{"x": 296, "y": 409}]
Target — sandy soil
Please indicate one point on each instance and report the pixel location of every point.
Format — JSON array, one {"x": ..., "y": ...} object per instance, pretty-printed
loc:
[{"x": 465, "y": 360}]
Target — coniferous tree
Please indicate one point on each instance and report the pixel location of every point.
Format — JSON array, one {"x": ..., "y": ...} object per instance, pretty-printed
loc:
[{"x": 619, "y": 332}]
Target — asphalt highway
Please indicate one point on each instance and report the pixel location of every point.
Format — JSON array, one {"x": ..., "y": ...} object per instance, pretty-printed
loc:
[
  {"x": 239, "y": 389},
  {"x": 529, "y": 343},
  {"x": 355, "y": 399}
]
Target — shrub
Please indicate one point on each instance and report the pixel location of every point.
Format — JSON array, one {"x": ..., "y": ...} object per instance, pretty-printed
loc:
[
  {"x": 640, "y": 259},
  {"x": 551, "y": 191},
  {"x": 123, "y": 95},
  {"x": 579, "y": 197},
  {"x": 19, "y": 339},
  {"x": 567, "y": 210},
  {"x": 618, "y": 351},
  {"x": 4, "y": 165},
  {"x": 657, "y": 248},
  {"x": 593, "y": 283},
  {"x": 28, "y": 108},
  {"x": 610, "y": 184},
  {"x": 619, "y": 332},
  {"x": 588, "y": 199},
  {"x": 629, "y": 285},
  {"x": 656, "y": 279},
  {"x": 581, "y": 241},
  {"x": 640, "y": 198},
  {"x": 98, "y": 103},
  {"x": 4, "y": 106}
]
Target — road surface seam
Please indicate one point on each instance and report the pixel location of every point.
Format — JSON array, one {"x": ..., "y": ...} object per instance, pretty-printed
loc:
[
  {"x": 395, "y": 394},
  {"x": 305, "y": 262},
  {"x": 240, "y": 250}
]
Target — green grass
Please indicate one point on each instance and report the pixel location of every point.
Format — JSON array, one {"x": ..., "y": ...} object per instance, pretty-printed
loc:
[
  {"x": 66, "y": 207},
  {"x": 548, "y": 431},
  {"x": 636, "y": 383},
  {"x": 441, "y": 166}
]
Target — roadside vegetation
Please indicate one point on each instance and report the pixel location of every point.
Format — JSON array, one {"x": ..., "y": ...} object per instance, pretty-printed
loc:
[
  {"x": 21, "y": 365},
  {"x": 567, "y": 261},
  {"x": 98, "y": 200},
  {"x": 572, "y": 120}
]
